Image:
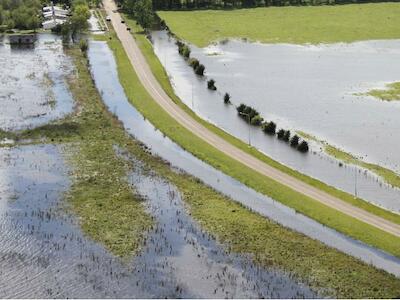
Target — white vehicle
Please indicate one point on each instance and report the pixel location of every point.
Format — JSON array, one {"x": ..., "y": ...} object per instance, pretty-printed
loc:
[{"x": 108, "y": 18}]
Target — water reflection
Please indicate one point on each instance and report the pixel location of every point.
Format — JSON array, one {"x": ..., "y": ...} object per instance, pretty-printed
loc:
[
  {"x": 105, "y": 74},
  {"x": 263, "y": 89}
]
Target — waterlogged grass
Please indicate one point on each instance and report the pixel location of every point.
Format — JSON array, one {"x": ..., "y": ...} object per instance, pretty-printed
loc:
[
  {"x": 108, "y": 210},
  {"x": 299, "y": 25},
  {"x": 330, "y": 217},
  {"x": 272, "y": 245},
  {"x": 387, "y": 175},
  {"x": 390, "y": 93},
  {"x": 163, "y": 79}
]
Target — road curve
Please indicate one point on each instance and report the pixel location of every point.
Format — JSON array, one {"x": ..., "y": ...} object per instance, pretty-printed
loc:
[{"x": 152, "y": 86}]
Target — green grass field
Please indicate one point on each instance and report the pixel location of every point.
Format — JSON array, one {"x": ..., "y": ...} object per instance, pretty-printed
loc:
[{"x": 315, "y": 24}]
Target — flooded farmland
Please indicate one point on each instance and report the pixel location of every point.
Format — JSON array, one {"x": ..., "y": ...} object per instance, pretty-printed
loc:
[
  {"x": 104, "y": 72},
  {"x": 295, "y": 87},
  {"x": 33, "y": 89}
]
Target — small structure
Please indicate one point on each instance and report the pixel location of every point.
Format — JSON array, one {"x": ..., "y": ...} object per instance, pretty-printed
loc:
[
  {"x": 53, "y": 16},
  {"x": 22, "y": 39}
]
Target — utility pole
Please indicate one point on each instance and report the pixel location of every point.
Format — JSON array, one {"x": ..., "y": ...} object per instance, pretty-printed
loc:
[{"x": 355, "y": 182}]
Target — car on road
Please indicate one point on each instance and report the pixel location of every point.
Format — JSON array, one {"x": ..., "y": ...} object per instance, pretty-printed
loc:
[
  {"x": 122, "y": 21},
  {"x": 128, "y": 28},
  {"x": 108, "y": 18}
]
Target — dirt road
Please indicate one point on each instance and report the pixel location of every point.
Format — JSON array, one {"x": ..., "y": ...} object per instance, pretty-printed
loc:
[{"x": 155, "y": 90}]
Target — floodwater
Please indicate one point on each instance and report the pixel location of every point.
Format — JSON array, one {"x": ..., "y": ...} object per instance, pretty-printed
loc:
[
  {"x": 307, "y": 88},
  {"x": 104, "y": 72},
  {"x": 33, "y": 88},
  {"x": 43, "y": 253}
]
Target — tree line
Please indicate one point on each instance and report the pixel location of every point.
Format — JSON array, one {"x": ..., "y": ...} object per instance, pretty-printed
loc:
[
  {"x": 228, "y": 4},
  {"x": 20, "y": 14}
]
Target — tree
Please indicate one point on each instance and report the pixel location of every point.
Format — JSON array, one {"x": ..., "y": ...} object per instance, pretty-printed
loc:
[
  {"x": 227, "y": 98},
  {"x": 78, "y": 21},
  {"x": 269, "y": 128},
  {"x": 286, "y": 136},
  {"x": 303, "y": 147},
  {"x": 281, "y": 134},
  {"x": 294, "y": 141},
  {"x": 200, "y": 70},
  {"x": 256, "y": 120},
  {"x": 143, "y": 12},
  {"x": 211, "y": 85}
]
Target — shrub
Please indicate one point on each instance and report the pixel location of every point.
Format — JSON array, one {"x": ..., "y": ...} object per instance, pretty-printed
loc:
[
  {"x": 211, "y": 85},
  {"x": 269, "y": 128},
  {"x": 200, "y": 70},
  {"x": 194, "y": 63},
  {"x": 256, "y": 120},
  {"x": 303, "y": 147},
  {"x": 286, "y": 136},
  {"x": 294, "y": 141},
  {"x": 227, "y": 98},
  {"x": 183, "y": 49},
  {"x": 83, "y": 45}
]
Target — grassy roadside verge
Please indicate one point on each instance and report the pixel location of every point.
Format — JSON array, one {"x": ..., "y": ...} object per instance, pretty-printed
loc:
[
  {"x": 332, "y": 218},
  {"x": 163, "y": 79},
  {"x": 112, "y": 216},
  {"x": 299, "y": 25}
]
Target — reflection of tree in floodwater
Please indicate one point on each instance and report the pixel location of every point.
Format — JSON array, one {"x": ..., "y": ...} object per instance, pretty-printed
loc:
[{"x": 44, "y": 254}]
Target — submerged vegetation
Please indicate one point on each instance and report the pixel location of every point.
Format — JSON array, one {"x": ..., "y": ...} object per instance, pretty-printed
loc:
[
  {"x": 390, "y": 93},
  {"x": 387, "y": 175}
]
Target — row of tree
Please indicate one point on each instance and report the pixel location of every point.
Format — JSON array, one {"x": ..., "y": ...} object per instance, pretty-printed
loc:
[
  {"x": 246, "y": 112},
  {"x": 226, "y": 4},
  {"x": 253, "y": 117}
]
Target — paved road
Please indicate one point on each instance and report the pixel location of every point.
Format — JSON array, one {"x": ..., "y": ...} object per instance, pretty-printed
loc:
[{"x": 155, "y": 90}]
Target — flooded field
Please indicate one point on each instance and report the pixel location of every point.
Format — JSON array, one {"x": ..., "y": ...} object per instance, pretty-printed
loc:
[
  {"x": 33, "y": 88},
  {"x": 104, "y": 72},
  {"x": 44, "y": 254},
  {"x": 176, "y": 247},
  {"x": 301, "y": 94}
]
